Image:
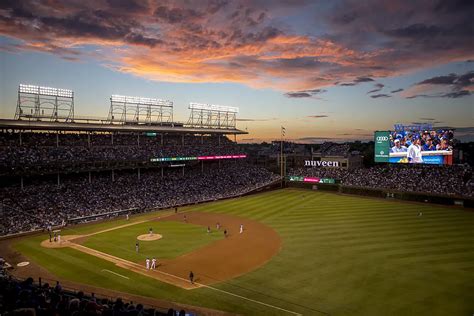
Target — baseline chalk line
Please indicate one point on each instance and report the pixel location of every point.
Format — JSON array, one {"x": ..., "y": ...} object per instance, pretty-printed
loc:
[{"x": 122, "y": 276}]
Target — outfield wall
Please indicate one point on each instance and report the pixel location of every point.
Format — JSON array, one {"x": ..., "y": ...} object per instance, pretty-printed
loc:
[{"x": 388, "y": 194}]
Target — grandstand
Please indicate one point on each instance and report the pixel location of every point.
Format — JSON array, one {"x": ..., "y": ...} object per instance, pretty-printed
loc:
[{"x": 52, "y": 158}]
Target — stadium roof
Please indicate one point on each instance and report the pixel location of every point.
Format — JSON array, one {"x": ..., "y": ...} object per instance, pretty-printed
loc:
[{"x": 108, "y": 127}]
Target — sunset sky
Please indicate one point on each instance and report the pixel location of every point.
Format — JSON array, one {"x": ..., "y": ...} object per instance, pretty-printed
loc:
[{"x": 326, "y": 70}]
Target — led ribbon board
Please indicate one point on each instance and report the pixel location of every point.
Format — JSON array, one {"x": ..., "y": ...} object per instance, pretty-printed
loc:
[
  {"x": 311, "y": 179},
  {"x": 166, "y": 159}
]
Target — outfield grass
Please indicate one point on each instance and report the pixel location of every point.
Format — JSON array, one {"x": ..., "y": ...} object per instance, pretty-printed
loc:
[
  {"x": 341, "y": 255},
  {"x": 121, "y": 243}
]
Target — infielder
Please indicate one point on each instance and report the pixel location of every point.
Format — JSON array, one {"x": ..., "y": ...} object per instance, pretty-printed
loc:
[
  {"x": 191, "y": 277},
  {"x": 137, "y": 246},
  {"x": 150, "y": 231},
  {"x": 147, "y": 263},
  {"x": 241, "y": 228},
  {"x": 153, "y": 263}
]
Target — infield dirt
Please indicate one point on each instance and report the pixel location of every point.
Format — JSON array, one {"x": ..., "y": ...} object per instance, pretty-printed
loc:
[{"x": 235, "y": 255}]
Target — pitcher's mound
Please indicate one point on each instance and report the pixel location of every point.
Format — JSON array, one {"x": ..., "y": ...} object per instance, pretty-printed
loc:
[{"x": 148, "y": 237}]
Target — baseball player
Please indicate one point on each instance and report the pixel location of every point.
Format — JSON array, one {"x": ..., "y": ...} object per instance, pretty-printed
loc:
[
  {"x": 49, "y": 232},
  {"x": 127, "y": 216},
  {"x": 59, "y": 238},
  {"x": 147, "y": 263},
  {"x": 241, "y": 228},
  {"x": 185, "y": 218},
  {"x": 225, "y": 233},
  {"x": 218, "y": 226},
  {"x": 153, "y": 263},
  {"x": 208, "y": 229},
  {"x": 150, "y": 231},
  {"x": 191, "y": 277},
  {"x": 414, "y": 154},
  {"x": 137, "y": 247}
]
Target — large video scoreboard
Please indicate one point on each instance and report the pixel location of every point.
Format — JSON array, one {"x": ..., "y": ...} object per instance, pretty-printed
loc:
[{"x": 420, "y": 144}]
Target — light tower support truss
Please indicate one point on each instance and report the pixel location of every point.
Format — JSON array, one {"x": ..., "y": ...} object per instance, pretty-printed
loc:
[
  {"x": 126, "y": 109},
  {"x": 45, "y": 103},
  {"x": 212, "y": 116}
]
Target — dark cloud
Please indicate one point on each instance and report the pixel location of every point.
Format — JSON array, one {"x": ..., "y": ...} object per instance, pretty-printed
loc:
[
  {"x": 297, "y": 95},
  {"x": 139, "y": 39},
  {"x": 363, "y": 79},
  {"x": 457, "y": 94},
  {"x": 396, "y": 91},
  {"x": 454, "y": 6},
  {"x": 317, "y": 116},
  {"x": 418, "y": 31},
  {"x": 355, "y": 82},
  {"x": 304, "y": 93},
  {"x": 449, "y": 79},
  {"x": 347, "y": 84},
  {"x": 129, "y": 5},
  {"x": 458, "y": 85},
  {"x": 382, "y": 95},
  {"x": 215, "y": 5},
  {"x": 176, "y": 15},
  {"x": 450, "y": 95},
  {"x": 378, "y": 87}
]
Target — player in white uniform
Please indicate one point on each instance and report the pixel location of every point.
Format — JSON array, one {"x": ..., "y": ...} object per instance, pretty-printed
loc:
[
  {"x": 414, "y": 152},
  {"x": 59, "y": 238},
  {"x": 153, "y": 263},
  {"x": 241, "y": 228},
  {"x": 147, "y": 263}
]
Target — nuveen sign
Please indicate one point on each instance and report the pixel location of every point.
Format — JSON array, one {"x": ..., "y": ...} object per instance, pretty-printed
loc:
[{"x": 319, "y": 163}]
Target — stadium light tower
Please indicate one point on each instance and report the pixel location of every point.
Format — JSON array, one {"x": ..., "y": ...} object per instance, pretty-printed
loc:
[
  {"x": 126, "y": 109},
  {"x": 39, "y": 103},
  {"x": 212, "y": 116}
]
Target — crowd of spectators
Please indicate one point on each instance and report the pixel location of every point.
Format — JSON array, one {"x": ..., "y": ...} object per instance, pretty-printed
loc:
[
  {"x": 444, "y": 180},
  {"x": 41, "y": 151},
  {"x": 29, "y": 299},
  {"x": 39, "y": 205},
  {"x": 400, "y": 141}
]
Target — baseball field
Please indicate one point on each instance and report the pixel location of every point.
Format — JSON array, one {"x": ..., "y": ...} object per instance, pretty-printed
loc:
[{"x": 301, "y": 252}]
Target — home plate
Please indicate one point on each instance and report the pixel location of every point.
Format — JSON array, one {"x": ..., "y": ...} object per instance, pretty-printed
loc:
[{"x": 23, "y": 264}]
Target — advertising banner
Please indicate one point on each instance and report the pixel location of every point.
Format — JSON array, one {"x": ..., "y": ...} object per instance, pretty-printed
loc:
[{"x": 382, "y": 146}]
